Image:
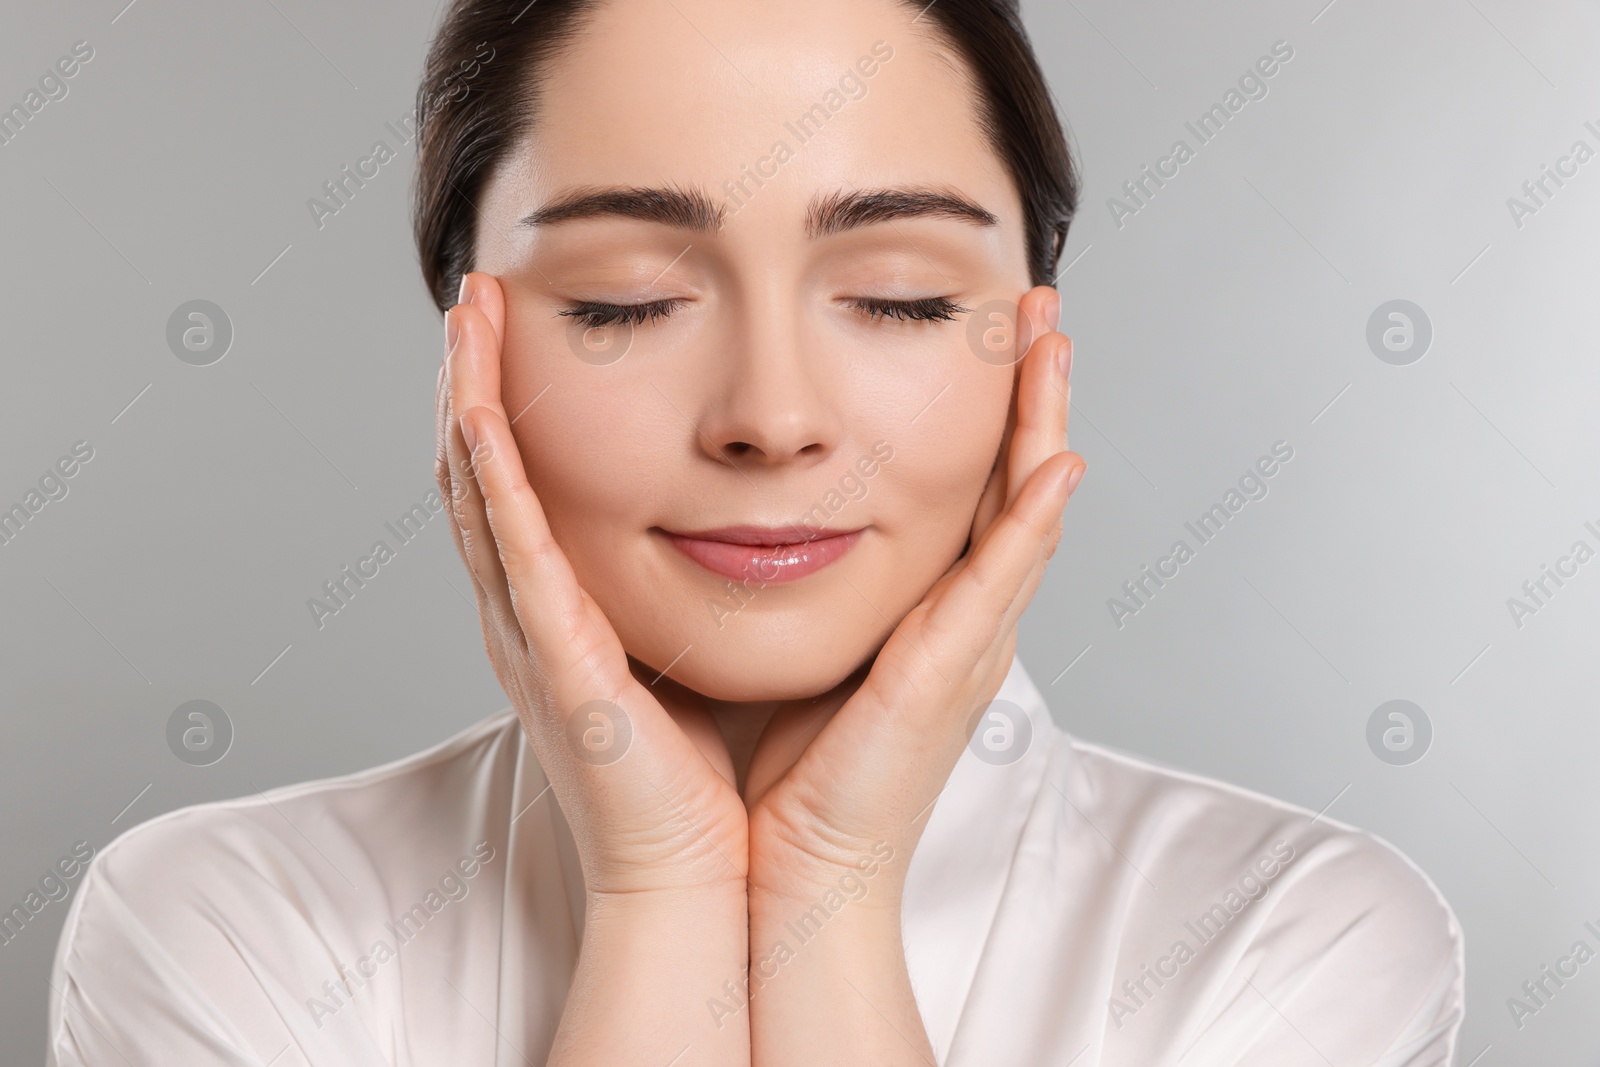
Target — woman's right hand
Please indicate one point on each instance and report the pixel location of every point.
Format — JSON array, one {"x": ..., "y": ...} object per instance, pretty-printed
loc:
[{"x": 650, "y": 800}]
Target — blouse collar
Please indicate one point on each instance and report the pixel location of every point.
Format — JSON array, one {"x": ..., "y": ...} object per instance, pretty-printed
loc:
[{"x": 959, "y": 870}]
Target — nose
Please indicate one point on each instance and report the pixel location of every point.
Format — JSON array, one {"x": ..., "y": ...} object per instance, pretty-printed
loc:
[{"x": 771, "y": 403}]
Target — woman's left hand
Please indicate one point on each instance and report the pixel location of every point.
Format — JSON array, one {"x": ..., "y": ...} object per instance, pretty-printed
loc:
[{"x": 828, "y": 783}]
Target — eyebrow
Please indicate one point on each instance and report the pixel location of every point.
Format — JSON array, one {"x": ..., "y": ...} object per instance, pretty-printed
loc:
[{"x": 691, "y": 209}]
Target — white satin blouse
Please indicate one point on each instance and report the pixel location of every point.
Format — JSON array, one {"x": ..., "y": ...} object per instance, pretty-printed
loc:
[{"x": 1067, "y": 905}]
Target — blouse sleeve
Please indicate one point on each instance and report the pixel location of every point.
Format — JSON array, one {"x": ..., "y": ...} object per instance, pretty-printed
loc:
[
  {"x": 169, "y": 956},
  {"x": 1360, "y": 962}
]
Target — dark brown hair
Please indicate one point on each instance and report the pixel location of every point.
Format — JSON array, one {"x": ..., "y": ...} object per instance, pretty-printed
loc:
[{"x": 478, "y": 97}]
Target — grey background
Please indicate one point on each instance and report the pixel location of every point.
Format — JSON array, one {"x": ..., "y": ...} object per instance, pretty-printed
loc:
[{"x": 1227, "y": 314}]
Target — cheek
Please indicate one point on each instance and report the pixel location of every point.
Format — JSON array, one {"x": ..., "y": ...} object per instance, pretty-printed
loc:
[
  {"x": 957, "y": 439},
  {"x": 586, "y": 446},
  {"x": 589, "y": 457},
  {"x": 942, "y": 463}
]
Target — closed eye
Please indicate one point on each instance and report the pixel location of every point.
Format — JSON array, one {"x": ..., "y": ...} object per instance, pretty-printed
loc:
[
  {"x": 928, "y": 309},
  {"x": 597, "y": 315}
]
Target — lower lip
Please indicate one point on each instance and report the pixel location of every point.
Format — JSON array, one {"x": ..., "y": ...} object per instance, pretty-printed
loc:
[{"x": 765, "y": 565}]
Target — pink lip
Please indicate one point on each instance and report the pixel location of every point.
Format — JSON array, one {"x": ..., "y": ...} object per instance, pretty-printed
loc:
[{"x": 764, "y": 555}]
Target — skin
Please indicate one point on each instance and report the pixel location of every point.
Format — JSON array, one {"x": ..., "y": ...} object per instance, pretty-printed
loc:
[{"x": 783, "y": 748}]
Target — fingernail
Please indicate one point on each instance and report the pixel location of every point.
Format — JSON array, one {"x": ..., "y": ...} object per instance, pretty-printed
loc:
[
  {"x": 1075, "y": 477},
  {"x": 1052, "y": 311},
  {"x": 461, "y": 294},
  {"x": 468, "y": 434},
  {"x": 1064, "y": 360},
  {"x": 452, "y": 332}
]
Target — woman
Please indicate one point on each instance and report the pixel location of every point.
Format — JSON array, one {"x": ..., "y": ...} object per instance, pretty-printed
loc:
[{"x": 751, "y": 423}]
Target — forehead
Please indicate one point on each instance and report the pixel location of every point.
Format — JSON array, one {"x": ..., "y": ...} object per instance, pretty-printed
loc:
[{"x": 820, "y": 94}]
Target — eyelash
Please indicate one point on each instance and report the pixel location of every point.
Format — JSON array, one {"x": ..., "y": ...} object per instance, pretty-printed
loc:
[
  {"x": 928, "y": 309},
  {"x": 596, "y": 315}
]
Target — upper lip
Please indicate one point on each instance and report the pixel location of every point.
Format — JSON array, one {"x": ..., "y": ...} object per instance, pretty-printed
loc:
[{"x": 762, "y": 536}]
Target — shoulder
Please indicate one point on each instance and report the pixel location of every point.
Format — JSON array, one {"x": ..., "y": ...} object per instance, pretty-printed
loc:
[
  {"x": 186, "y": 925},
  {"x": 1197, "y": 827},
  {"x": 320, "y": 830},
  {"x": 1302, "y": 917}
]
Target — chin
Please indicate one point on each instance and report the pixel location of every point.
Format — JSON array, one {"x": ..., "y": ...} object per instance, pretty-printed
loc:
[
  {"x": 782, "y": 655},
  {"x": 767, "y": 673}
]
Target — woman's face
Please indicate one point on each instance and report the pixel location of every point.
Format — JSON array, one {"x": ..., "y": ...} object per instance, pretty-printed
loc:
[{"x": 762, "y": 174}]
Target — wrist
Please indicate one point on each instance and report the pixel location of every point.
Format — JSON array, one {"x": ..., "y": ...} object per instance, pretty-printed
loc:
[
  {"x": 870, "y": 878},
  {"x": 649, "y": 964},
  {"x": 712, "y": 900},
  {"x": 799, "y": 948},
  {"x": 798, "y": 913}
]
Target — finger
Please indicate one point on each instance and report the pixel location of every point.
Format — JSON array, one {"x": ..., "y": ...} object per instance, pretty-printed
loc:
[
  {"x": 991, "y": 591},
  {"x": 472, "y": 379},
  {"x": 443, "y": 474},
  {"x": 579, "y": 658},
  {"x": 1036, "y": 315},
  {"x": 1035, "y": 577},
  {"x": 1041, "y": 409},
  {"x": 483, "y": 291},
  {"x": 481, "y": 315}
]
